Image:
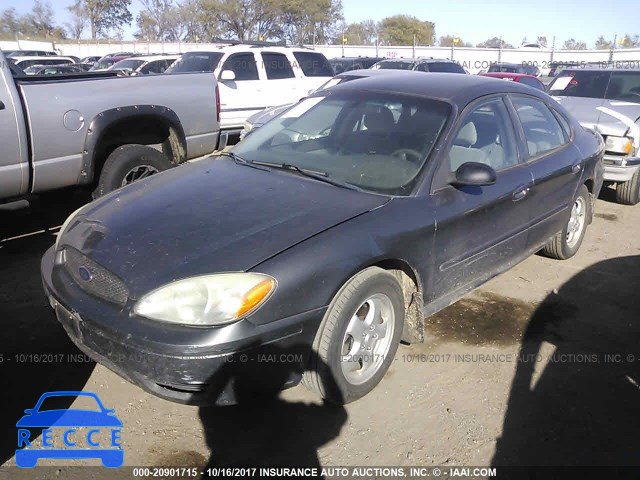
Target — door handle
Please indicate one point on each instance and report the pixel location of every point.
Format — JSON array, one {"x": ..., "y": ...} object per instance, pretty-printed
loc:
[
  {"x": 520, "y": 193},
  {"x": 576, "y": 167}
]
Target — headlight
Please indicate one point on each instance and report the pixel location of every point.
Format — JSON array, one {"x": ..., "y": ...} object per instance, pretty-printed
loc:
[
  {"x": 618, "y": 145},
  {"x": 207, "y": 299},
  {"x": 247, "y": 126}
]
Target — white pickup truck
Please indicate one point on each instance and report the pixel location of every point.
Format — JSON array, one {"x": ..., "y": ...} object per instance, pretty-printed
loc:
[{"x": 99, "y": 130}]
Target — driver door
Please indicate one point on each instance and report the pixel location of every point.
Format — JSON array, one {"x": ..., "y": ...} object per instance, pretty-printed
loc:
[{"x": 481, "y": 231}]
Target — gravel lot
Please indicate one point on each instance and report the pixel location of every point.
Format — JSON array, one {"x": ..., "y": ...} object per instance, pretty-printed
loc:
[{"x": 541, "y": 366}]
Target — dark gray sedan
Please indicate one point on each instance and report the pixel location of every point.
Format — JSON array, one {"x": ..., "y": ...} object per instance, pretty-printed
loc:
[{"x": 324, "y": 238}]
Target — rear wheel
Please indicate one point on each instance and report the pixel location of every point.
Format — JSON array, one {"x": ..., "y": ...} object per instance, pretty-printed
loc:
[
  {"x": 628, "y": 193},
  {"x": 358, "y": 337},
  {"x": 567, "y": 243},
  {"x": 130, "y": 163}
]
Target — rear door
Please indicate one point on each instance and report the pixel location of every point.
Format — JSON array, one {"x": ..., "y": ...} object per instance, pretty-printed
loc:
[
  {"x": 556, "y": 165},
  {"x": 281, "y": 86},
  {"x": 242, "y": 97},
  {"x": 480, "y": 230}
]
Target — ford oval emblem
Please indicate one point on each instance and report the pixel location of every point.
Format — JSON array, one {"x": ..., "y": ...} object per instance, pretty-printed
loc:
[{"x": 85, "y": 274}]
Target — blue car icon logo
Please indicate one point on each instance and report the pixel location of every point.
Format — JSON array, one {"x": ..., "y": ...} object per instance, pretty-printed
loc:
[{"x": 102, "y": 437}]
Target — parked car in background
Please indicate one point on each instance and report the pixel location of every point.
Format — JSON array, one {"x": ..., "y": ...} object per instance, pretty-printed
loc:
[
  {"x": 257, "y": 120},
  {"x": 521, "y": 68},
  {"x": 26, "y": 62},
  {"x": 346, "y": 64},
  {"x": 30, "y": 53},
  {"x": 530, "y": 80},
  {"x": 54, "y": 69},
  {"x": 608, "y": 101},
  {"x": 98, "y": 130},
  {"x": 111, "y": 58},
  {"x": 332, "y": 239},
  {"x": 90, "y": 60},
  {"x": 144, "y": 65},
  {"x": 441, "y": 65},
  {"x": 255, "y": 77}
]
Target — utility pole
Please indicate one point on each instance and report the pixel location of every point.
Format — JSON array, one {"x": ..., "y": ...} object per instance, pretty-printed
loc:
[
  {"x": 553, "y": 48},
  {"x": 500, "y": 49},
  {"x": 414, "y": 46},
  {"x": 613, "y": 46}
]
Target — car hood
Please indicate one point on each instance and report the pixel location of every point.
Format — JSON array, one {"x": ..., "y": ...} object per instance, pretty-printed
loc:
[
  {"x": 69, "y": 418},
  {"x": 262, "y": 117},
  {"x": 594, "y": 113},
  {"x": 206, "y": 217}
]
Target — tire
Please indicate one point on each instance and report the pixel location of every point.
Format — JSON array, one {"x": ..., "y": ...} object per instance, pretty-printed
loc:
[
  {"x": 628, "y": 193},
  {"x": 341, "y": 382},
  {"x": 567, "y": 243},
  {"x": 119, "y": 169}
]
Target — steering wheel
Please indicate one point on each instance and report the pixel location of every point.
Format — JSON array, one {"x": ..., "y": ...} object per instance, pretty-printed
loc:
[{"x": 406, "y": 153}]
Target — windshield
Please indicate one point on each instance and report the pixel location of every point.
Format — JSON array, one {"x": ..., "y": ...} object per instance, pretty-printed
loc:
[
  {"x": 129, "y": 64},
  {"x": 447, "y": 67},
  {"x": 377, "y": 142},
  {"x": 394, "y": 65},
  {"x": 196, "y": 62},
  {"x": 503, "y": 68}
]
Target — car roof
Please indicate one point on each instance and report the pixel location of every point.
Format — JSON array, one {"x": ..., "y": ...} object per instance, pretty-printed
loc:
[
  {"x": 452, "y": 87},
  {"x": 152, "y": 58},
  {"x": 34, "y": 57},
  {"x": 602, "y": 69},
  {"x": 245, "y": 47},
  {"x": 506, "y": 75},
  {"x": 365, "y": 72}
]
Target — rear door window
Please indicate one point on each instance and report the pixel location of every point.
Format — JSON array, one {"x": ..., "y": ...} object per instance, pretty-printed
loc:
[
  {"x": 277, "y": 66},
  {"x": 447, "y": 67},
  {"x": 313, "y": 64},
  {"x": 243, "y": 65},
  {"x": 541, "y": 128}
]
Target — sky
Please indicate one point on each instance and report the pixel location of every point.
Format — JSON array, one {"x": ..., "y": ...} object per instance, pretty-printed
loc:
[{"x": 472, "y": 20}]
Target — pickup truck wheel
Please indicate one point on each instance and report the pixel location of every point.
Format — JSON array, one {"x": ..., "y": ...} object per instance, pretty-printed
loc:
[
  {"x": 358, "y": 337},
  {"x": 127, "y": 164},
  {"x": 628, "y": 193},
  {"x": 567, "y": 243}
]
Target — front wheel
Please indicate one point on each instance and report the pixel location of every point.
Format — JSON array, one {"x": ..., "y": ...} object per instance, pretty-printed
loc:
[
  {"x": 567, "y": 243},
  {"x": 128, "y": 164},
  {"x": 358, "y": 337},
  {"x": 628, "y": 193}
]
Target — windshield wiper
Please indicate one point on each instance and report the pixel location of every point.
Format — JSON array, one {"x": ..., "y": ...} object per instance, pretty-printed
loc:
[
  {"x": 315, "y": 174},
  {"x": 243, "y": 161}
]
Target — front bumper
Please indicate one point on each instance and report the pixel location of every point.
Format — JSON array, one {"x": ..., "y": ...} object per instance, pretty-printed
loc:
[
  {"x": 617, "y": 169},
  {"x": 258, "y": 359}
]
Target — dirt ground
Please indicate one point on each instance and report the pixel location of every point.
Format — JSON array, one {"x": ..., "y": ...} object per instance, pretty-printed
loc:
[{"x": 540, "y": 366}]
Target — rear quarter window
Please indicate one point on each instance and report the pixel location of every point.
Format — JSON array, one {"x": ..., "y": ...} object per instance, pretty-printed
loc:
[{"x": 313, "y": 64}]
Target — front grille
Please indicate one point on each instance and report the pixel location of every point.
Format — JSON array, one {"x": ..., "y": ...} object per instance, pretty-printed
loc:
[{"x": 93, "y": 278}]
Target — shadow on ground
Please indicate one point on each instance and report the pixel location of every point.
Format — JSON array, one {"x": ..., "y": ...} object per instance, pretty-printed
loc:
[
  {"x": 263, "y": 429},
  {"x": 582, "y": 407},
  {"x": 36, "y": 355}
]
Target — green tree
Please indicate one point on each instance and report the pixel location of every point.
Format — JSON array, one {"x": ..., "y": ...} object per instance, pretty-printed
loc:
[
  {"x": 402, "y": 29},
  {"x": 602, "y": 44},
  {"x": 494, "y": 42},
  {"x": 630, "y": 41},
  {"x": 310, "y": 21},
  {"x": 103, "y": 16},
  {"x": 573, "y": 44},
  {"x": 362, "y": 33},
  {"x": 542, "y": 40}
]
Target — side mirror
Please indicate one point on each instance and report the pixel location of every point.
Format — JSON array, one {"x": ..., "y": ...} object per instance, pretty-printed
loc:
[
  {"x": 474, "y": 174},
  {"x": 227, "y": 76}
]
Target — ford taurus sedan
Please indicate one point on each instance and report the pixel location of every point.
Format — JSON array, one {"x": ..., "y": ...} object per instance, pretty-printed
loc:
[{"x": 337, "y": 226}]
